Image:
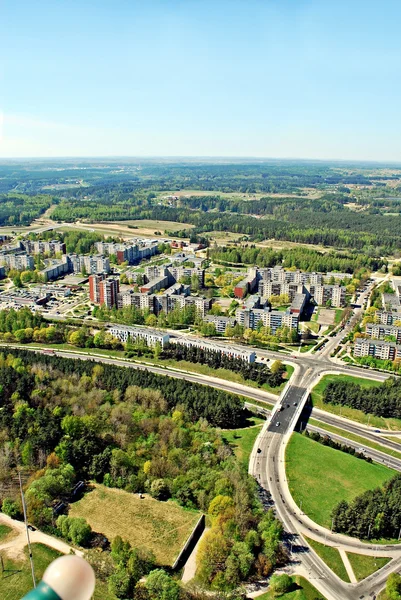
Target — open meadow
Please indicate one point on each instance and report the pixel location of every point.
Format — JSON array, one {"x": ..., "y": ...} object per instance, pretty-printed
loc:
[{"x": 162, "y": 527}]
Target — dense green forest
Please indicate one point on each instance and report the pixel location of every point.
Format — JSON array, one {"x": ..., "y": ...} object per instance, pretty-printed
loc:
[
  {"x": 374, "y": 514},
  {"x": 382, "y": 401},
  {"x": 219, "y": 408},
  {"x": 305, "y": 259},
  {"x": 64, "y": 420},
  {"x": 21, "y": 209},
  {"x": 352, "y": 206}
]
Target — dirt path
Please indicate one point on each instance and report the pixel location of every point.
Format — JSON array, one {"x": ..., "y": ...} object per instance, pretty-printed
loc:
[{"x": 14, "y": 546}]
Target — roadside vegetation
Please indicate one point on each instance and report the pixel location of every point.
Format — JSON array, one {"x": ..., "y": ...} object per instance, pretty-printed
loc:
[
  {"x": 319, "y": 393},
  {"x": 364, "y": 565},
  {"x": 331, "y": 557}
]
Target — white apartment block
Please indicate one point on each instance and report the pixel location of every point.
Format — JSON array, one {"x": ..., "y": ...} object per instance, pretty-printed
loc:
[
  {"x": 230, "y": 351},
  {"x": 387, "y": 318},
  {"x": 220, "y": 322},
  {"x": 151, "y": 336},
  {"x": 19, "y": 262},
  {"x": 380, "y": 332},
  {"x": 377, "y": 349}
]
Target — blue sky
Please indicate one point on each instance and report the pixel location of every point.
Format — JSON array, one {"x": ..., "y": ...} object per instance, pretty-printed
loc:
[{"x": 266, "y": 78}]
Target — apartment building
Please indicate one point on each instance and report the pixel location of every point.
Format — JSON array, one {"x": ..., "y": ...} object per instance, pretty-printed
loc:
[
  {"x": 246, "y": 285},
  {"x": 377, "y": 349},
  {"x": 128, "y": 252},
  {"x": 159, "y": 283},
  {"x": 44, "y": 246},
  {"x": 103, "y": 290},
  {"x": 325, "y": 293},
  {"x": 92, "y": 265},
  {"x": 220, "y": 322},
  {"x": 230, "y": 351},
  {"x": 380, "y": 332},
  {"x": 387, "y": 318},
  {"x": 19, "y": 262},
  {"x": 151, "y": 336},
  {"x": 274, "y": 319},
  {"x": 56, "y": 268}
]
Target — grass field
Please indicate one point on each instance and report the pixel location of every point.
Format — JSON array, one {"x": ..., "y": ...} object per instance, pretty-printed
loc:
[
  {"x": 356, "y": 438},
  {"x": 344, "y": 477},
  {"x": 302, "y": 590},
  {"x": 162, "y": 527},
  {"x": 17, "y": 580},
  {"x": 5, "y": 532},
  {"x": 242, "y": 440},
  {"x": 352, "y": 413},
  {"x": 363, "y": 565},
  {"x": 331, "y": 557}
]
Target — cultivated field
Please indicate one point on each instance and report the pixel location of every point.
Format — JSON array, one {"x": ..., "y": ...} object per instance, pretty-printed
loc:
[
  {"x": 345, "y": 477},
  {"x": 162, "y": 527}
]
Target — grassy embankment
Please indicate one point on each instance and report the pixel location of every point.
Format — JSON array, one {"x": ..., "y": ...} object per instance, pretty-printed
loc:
[
  {"x": 364, "y": 565},
  {"x": 356, "y": 438},
  {"x": 16, "y": 580},
  {"x": 302, "y": 590},
  {"x": 242, "y": 440},
  {"x": 162, "y": 527},
  {"x": 345, "y": 477},
  {"x": 331, "y": 557},
  {"x": 352, "y": 413}
]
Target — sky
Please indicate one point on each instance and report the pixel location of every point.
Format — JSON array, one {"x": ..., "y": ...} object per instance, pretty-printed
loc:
[{"x": 251, "y": 78}]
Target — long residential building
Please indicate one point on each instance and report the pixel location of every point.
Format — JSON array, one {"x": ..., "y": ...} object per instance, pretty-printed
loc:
[
  {"x": 128, "y": 251},
  {"x": 44, "y": 246},
  {"x": 380, "y": 332},
  {"x": 231, "y": 351},
  {"x": 387, "y": 318},
  {"x": 92, "y": 265},
  {"x": 219, "y": 322},
  {"x": 151, "y": 336},
  {"x": 274, "y": 319},
  {"x": 19, "y": 262},
  {"x": 376, "y": 349}
]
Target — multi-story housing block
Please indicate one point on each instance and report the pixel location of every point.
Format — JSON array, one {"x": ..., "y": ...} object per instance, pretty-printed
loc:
[
  {"x": 19, "y": 262},
  {"x": 387, "y": 318},
  {"x": 44, "y": 246},
  {"x": 230, "y": 351},
  {"x": 380, "y": 332},
  {"x": 151, "y": 336},
  {"x": 220, "y": 322},
  {"x": 103, "y": 290},
  {"x": 377, "y": 349}
]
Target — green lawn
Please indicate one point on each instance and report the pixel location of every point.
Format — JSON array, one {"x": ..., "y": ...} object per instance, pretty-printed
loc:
[
  {"x": 351, "y": 413},
  {"x": 16, "y": 580},
  {"x": 313, "y": 326},
  {"x": 302, "y": 590},
  {"x": 344, "y": 477},
  {"x": 5, "y": 532},
  {"x": 242, "y": 440},
  {"x": 331, "y": 557},
  {"x": 363, "y": 565},
  {"x": 339, "y": 314},
  {"x": 356, "y": 438}
]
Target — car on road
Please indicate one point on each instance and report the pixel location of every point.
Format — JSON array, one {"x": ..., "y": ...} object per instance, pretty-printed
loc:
[
  {"x": 295, "y": 404},
  {"x": 31, "y": 528},
  {"x": 278, "y": 424}
]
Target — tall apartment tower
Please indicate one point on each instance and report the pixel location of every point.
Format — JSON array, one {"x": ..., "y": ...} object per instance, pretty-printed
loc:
[{"x": 103, "y": 290}]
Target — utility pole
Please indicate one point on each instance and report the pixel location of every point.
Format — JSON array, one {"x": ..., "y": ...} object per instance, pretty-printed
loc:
[
  {"x": 399, "y": 535},
  {"x": 27, "y": 530}
]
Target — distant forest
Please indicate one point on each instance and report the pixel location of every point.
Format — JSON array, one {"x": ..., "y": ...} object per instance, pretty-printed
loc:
[{"x": 354, "y": 207}]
